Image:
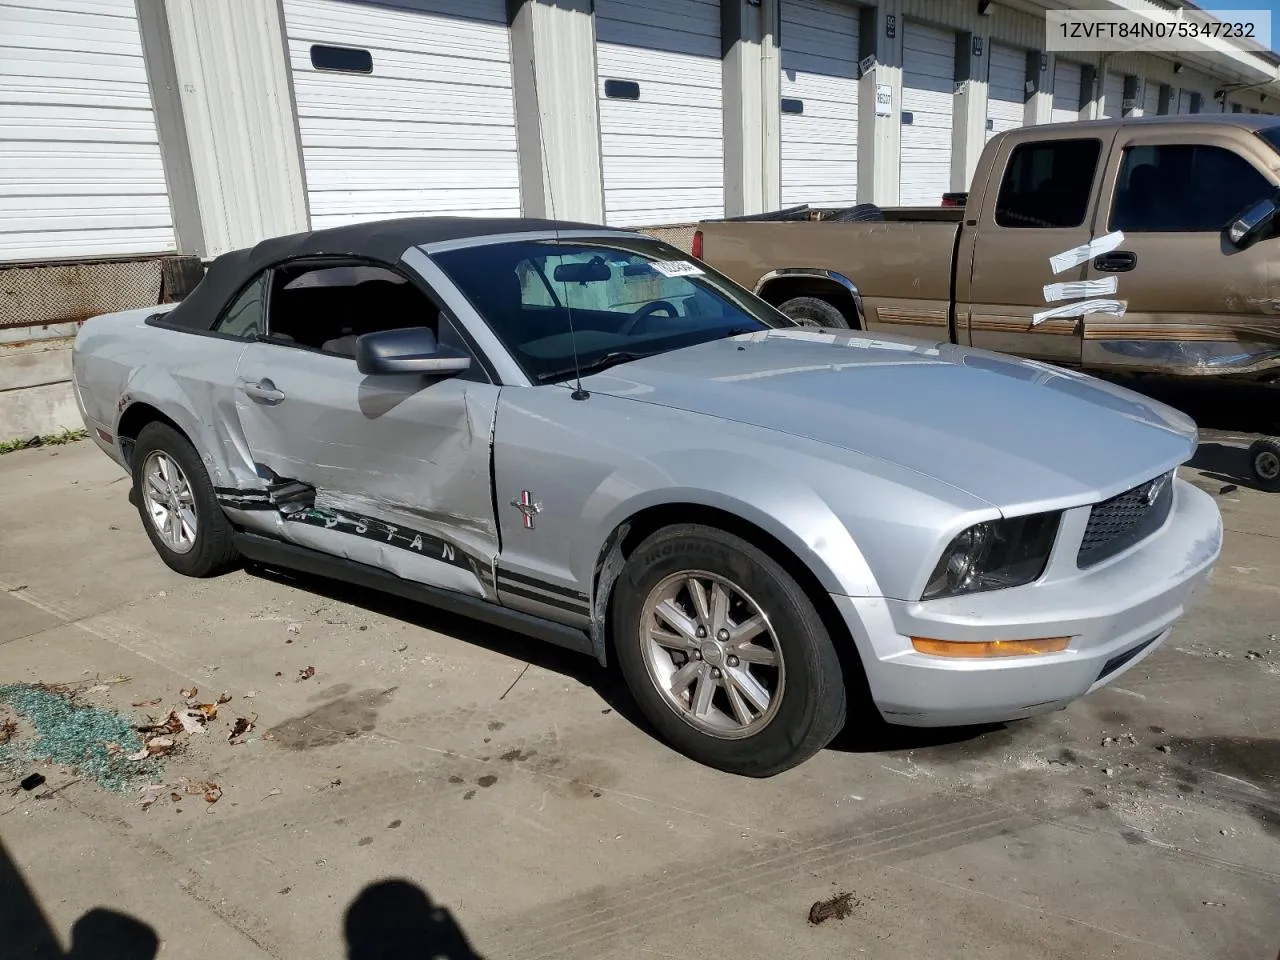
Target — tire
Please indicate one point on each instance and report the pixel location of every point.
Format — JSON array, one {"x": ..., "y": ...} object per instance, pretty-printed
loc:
[
  {"x": 1264, "y": 462},
  {"x": 812, "y": 312},
  {"x": 803, "y": 702},
  {"x": 862, "y": 213},
  {"x": 211, "y": 549}
]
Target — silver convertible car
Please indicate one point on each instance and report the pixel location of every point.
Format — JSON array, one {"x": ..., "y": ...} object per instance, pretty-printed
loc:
[{"x": 589, "y": 437}]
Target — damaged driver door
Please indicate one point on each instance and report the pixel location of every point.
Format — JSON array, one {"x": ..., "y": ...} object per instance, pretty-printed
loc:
[{"x": 390, "y": 470}]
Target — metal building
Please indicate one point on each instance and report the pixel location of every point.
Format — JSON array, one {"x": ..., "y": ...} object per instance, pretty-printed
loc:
[{"x": 134, "y": 132}]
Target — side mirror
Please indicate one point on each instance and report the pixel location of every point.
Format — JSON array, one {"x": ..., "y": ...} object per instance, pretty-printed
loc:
[
  {"x": 1254, "y": 223},
  {"x": 408, "y": 350}
]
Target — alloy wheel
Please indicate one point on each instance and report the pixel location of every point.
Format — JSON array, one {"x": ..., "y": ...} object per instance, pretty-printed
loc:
[
  {"x": 712, "y": 654},
  {"x": 169, "y": 500}
]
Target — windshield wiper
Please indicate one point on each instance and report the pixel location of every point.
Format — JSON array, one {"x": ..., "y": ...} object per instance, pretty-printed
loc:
[{"x": 610, "y": 359}]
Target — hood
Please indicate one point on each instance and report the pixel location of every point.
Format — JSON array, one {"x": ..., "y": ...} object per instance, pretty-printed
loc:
[{"x": 1018, "y": 434}]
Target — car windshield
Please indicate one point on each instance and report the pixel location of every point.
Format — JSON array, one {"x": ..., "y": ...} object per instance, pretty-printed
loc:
[{"x": 612, "y": 299}]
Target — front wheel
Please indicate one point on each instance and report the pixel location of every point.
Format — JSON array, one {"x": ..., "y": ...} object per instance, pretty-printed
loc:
[{"x": 725, "y": 653}]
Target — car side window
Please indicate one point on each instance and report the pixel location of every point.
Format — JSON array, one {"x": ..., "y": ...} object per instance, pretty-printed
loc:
[
  {"x": 246, "y": 315},
  {"x": 327, "y": 307},
  {"x": 1183, "y": 188},
  {"x": 1048, "y": 184}
]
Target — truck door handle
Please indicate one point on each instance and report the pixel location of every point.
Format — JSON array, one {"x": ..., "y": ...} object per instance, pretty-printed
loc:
[
  {"x": 1118, "y": 261},
  {"x": 264, "y": 391}
]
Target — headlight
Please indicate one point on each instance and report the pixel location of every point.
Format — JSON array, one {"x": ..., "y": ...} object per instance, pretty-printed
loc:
[{"x": 994, "y": 554}]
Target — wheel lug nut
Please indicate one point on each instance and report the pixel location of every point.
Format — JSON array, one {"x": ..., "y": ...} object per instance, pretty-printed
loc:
[
  {"x": 732, "y": 661},
  {"x": 701, "y": 632},
  {"x": 697, "y": 654},
  {"x": 723, "y": 636},
  {"x": 715, "y": 673}
]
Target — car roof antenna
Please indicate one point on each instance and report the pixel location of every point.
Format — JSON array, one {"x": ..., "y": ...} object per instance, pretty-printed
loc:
[{"x": 579, "y": 393}]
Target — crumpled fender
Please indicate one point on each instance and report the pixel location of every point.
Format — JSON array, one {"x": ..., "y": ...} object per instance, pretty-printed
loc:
[{"x": 157, "y": 387}]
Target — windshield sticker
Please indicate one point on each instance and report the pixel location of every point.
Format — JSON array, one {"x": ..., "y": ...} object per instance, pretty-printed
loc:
[
  {"x": 677, "y": 268},
  {"x": 1114, "y": 308},
  {"x": 1085, "y": 252},
  {"x": 1078, "y": 289}
]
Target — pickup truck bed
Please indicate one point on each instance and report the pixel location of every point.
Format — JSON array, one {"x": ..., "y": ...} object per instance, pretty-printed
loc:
[{"x": 1105, "y": 245}]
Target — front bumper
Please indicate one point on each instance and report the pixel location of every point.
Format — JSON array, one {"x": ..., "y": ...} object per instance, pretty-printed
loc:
[{"x": 1115, "y": 613}]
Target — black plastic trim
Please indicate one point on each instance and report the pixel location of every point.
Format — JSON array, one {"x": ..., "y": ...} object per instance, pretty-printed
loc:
[
  {"x": 520, "y": 578},
  {"x": 560, "y": 603},
  {"x": 622, "y": 90},
  {"x": 293, "y": 557},
  {"x": 335, "y": 59},
  {"x": 1120, "y": 659}
]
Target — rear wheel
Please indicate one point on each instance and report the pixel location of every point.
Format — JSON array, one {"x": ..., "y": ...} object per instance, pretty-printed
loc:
[
  {"x": 1264, "y": 461},
  {"x": 812, "y": 312},
  {"x": 725, "y": 653},
  {"x": 177, "y": 504}
]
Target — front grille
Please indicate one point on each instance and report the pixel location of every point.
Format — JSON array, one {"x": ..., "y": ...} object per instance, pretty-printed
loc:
[{"x": 1117, "y": 524}]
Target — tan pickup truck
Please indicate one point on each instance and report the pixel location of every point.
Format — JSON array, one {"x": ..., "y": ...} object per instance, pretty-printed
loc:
[{"x": 1137, "y": 245}]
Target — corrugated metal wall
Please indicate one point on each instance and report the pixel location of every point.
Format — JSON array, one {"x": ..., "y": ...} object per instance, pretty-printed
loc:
[
  {"x": 80, "y": 167},
  {"x": 1012, "y": 26},
  {"x": 237, "y": 109},
  {"x": 819, "y": 85},
  {"x": 429, "y": 129},
  {"x": 663, "y": 148},
  {"x": 928, "y": 113}
]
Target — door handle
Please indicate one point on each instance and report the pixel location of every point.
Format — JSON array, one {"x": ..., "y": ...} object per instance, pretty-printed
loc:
[
  {"x": 264, "y": 391},
  {"x": 1118, "y": 261}
]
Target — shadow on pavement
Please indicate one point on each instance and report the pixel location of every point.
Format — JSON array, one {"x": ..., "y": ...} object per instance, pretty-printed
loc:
[
  {"x": 396, "y": 920},
  {"x": 574, "y": 666},
  {"x": 864, "y": 732},
  {"x": 389, "y": 920}
]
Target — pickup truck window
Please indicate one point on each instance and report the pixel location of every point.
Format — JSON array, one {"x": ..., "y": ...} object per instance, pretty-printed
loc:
[
  {"x": 1271, "y": 135},
  {"x": 1047, "y": 184},
  {"x": 1183, "y": 188}
]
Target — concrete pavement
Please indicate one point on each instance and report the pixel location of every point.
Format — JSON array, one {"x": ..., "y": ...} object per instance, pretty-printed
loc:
[{"x": 515, "y": 785}]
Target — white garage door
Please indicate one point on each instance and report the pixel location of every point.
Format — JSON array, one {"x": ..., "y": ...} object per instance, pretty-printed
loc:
[
  {"x": 659, "y": 77},
  {"x": 1113, "y": 97},
  {"x": 80, "y": 170},
  {"x": 1067, "y": 80},
  {"x": 404, "y": 111},
  {"x": 1006, "y": 83},
  {"x": 819, "y": 102},
  {"x": 928, "y": 95},
  {"x": 1184, "y": 101},
  {"x": 1150, "y": 98}
]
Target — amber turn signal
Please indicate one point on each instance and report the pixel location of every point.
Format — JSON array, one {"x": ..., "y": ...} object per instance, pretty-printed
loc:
[{"x": 989, "y": 648}]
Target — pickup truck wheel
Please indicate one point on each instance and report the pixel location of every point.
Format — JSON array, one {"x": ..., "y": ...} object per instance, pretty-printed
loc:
[
  {"x": 812, "y": 312},
  {"x": 1264, "y": 461},
  {"x": 725, "y": 653},
  {"x": 177, "y": 504}
]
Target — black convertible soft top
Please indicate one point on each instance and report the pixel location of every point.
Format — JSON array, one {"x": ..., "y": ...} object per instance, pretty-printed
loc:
[{"x": 383, "y": 240}]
